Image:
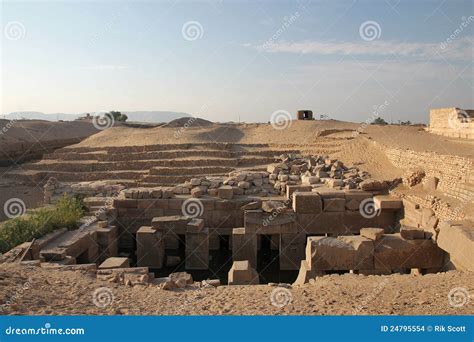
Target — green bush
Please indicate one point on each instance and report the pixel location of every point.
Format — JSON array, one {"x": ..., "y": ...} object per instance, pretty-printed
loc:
[{"x": 64, "y": 214}]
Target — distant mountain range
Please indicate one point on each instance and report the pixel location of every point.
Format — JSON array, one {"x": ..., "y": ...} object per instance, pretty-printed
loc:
[{"x": 139, "y": 116}]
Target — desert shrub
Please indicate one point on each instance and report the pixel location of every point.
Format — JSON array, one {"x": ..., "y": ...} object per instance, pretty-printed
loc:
[
  {"x": 379, "y": 121},
  {"x": 64, "y": 214}
]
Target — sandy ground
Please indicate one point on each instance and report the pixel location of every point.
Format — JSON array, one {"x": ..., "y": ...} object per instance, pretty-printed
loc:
[
  {"x": 39, "y": 131},
  {"x": 298, "y": 132},
  {"x": 66, "y": 292}
]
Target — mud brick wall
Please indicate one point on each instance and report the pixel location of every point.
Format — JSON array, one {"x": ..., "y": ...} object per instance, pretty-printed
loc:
[
  {"x": 456, "y": 174},
  {"x": 442, "y": 122},
  {"x": 222, "y": 215}
]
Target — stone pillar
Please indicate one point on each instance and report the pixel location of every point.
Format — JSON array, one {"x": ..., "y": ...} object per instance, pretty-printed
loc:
[
  {"x": 150, "y": 248},
  {"x": 244, "y": 246},
  {"x": 197, "y": 245},
  {"x": 292, "y": 250},
  {"x": 241, "y": 273},
  {"x": 171, "y": 226}
]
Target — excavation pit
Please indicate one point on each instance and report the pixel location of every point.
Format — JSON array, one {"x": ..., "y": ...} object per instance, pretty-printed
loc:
[{"x": 275, "y": 243}]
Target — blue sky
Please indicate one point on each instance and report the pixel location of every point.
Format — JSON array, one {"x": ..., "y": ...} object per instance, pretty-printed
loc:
[{"x": 246, "y": 60}]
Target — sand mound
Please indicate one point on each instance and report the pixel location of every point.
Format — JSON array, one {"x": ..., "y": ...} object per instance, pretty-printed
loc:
[{"x": 189, "y": 122}]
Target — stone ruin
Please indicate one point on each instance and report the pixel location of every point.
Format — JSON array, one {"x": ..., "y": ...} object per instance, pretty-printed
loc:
[
  {"x": 300, "y": 219},
  {"x": 452, "y": 122}
]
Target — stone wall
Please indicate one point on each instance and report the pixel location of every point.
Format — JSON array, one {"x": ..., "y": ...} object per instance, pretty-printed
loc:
[
  {"x": 455, "y": 173},
  {"x": 220, "y": 214},
  {"x": 452, "y": 122}
]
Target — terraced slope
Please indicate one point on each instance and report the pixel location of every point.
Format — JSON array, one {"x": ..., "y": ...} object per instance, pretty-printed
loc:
[{"x": 154, "y": 165}]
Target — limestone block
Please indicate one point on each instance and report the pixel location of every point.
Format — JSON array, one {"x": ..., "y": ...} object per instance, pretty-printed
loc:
[
  {"x": 457, "y": 239},
  {"x": 305, "y": 274},
  {"x": 335, "y": 183},
  {"x": 241, "y": 273},
  {"x": 331, "y": 193},
  {"x": 290, "y": 189},
  {"x": 114, "y": 262},
  {"x": 387, "y": 202},
  {"x": 107, "y": 239},
  {"x": 412, "y": 233},
  {"x": 373, "y": 234},
  {"x": 354, "y": 198},
  {"x": 150, "y": 247},
  {"x": 270, "y": 206},
  {"x": 412, "y": 214},
  {"x": 196, "y": 192},
  {"x": 181, "y": 277},
  {"x": 307, "y": 202},
  {"x": 292, "y": 250},
  {"x": 309, "y": 180},
  {"x": 334, "y": 204},
  {"x": 393, "y": 253},
  {"x": 225, "y": 192},
  {"x": 431, "y": 183},
  {"x": 197, "y": 248},
  {"x": 341, "y": 253},
  {"x": 244, "y": 246},
  {"x": 171, "y": 226},
  {"x": 195, "y": 225}
]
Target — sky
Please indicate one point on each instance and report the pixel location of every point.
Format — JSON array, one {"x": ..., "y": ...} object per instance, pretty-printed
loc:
[{"x": 238, "y": 60}]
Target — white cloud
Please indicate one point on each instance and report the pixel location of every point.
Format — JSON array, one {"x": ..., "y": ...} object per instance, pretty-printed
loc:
[{"x": 458, "y": 49}]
